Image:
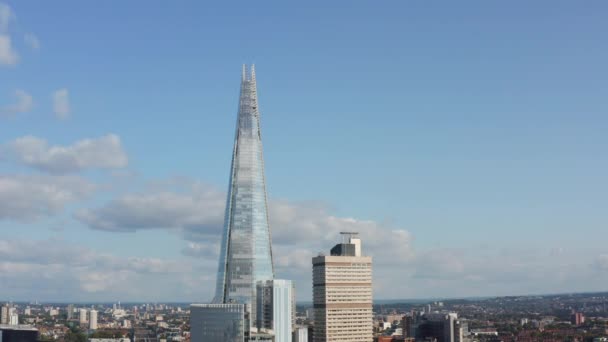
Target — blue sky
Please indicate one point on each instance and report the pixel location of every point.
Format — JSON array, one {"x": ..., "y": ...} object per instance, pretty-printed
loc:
[{"x": 476, "y": 131}]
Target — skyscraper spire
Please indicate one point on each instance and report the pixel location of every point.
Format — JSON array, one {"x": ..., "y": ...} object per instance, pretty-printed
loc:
[{"x": 246, "y": 252}]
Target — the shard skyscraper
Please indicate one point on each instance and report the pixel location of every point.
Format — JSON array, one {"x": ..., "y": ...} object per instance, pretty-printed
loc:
[
  {"x": 246, "y": 252},
  {"x": 249, "y": 304}
]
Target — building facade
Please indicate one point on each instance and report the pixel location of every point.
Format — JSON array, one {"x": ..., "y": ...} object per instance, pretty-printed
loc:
[
  {"x": 18, "y": 333},
  {"x": 276, "y": 308},
  {"x": 442, "y": 326},
  {"x": 4, "y": 314},
  {"x": 342, "y": 294},
  {"x": 13, "y": 319},
  {"x": 217, "y": 322},
  {"x": 93, "y": 320},
  {"x": 577, "y": 318},
  {"x": 70, "y": 311},
  {"x": 82, "y": 318},
  {"x": 246, "y": 252}
]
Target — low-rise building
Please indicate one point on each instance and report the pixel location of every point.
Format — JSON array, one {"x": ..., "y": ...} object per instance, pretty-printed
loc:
[{"x": 18, "y": 333}]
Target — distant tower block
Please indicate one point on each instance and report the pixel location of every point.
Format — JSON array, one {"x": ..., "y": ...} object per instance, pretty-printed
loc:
[
  {"x": 93, "y": 320},
  {"x": 82, "y": 316}
]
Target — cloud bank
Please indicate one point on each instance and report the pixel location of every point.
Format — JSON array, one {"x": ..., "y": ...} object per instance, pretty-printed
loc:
[
  {"x": 28, "y": 198},
  {"x": 105, "y": 152}
]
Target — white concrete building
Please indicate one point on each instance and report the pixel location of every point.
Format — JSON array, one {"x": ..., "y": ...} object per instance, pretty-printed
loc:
[
  {"x": 93, "y": 320},
  {"x": 82, "y": 316}
]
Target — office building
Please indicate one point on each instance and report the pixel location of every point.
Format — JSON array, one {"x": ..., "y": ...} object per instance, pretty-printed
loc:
[
  {"x": 83, "y": 316},
  {"x": 406, "y": 323},
  {"x": 217, "y": 322},
  {"x": 13, "y": 318},
  {"x": 442, "y": 326},
  {"x": 70, "y": 311},
  {"x": 18, "y": 333},
  {"x": 342, "y": 293},
  {"x": 276, "y": 308},
  {"x": 392, "y": 318},
  {"x": 93, "y": 319},
  {"x": 4, "y": 314},
  {"x": 577, "y": 318}
]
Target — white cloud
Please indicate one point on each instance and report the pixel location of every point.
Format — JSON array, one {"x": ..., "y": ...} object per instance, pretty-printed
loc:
[
  {"x": 105, "y": 152},
  {"x": 299, "y": 229},
  {"x": 28, "y": 198},
  {"x": 194, "y": 210},
  {"x": 196, "y": 213},
  {"x": 56, "y": 270},
  {"x": 32, "y": 41},
  {"x": 61, "y": 103},
  {"x": 8, "y": 56},
  {"x": 311, "y": 225},
  {"x": 23, "y": 104},
  {"x": 302, "y": 229},
  {"x": 6, "y": 15}
]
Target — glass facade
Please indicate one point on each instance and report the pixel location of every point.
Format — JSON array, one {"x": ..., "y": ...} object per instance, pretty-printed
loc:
[
  {"x": 217, "y": 323},
  {"x": 246, "y": 254}
]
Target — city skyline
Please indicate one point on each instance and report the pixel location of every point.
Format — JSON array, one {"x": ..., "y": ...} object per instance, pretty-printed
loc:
[{"x": 469, "y": 152}]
